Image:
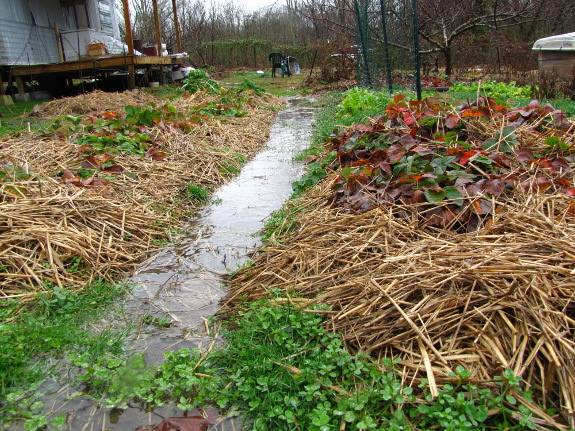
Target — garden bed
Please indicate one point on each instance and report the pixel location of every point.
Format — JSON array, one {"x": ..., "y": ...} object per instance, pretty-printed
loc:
[
  {"x": 91, "y": 195},
  {"x": 443, "y": 238}
]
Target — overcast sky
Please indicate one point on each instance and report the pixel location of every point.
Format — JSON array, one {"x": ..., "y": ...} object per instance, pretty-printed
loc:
[{"x": 253, "y": 5}]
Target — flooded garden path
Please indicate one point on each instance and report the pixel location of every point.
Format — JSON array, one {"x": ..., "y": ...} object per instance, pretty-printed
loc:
[{"x": 179, "y": 289}]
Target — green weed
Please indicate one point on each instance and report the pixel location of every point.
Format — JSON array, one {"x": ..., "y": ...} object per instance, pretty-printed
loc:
[
  {"x": 200, "y": 80},
  {"x": 498, "y": 90},
  {"x": 196, "y": 193},
  {"x": 314, "y": 173},
  {"x": 54, "y": 325},
  {"x": 284, "y": 371},
  {"x": 13, "y": 119},
  {"x": 281, "y": 223}
]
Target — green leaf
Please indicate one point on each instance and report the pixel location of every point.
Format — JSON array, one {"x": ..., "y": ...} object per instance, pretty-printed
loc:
[
  {"x": 434, "y": 196},
  {"x": 511, "y": 399},
  {"x": 346, "y": 172},
  {"x": 350, "y": 416},
  {"x": 130, "y": 110},
  {"x": 452, "y": 193}
]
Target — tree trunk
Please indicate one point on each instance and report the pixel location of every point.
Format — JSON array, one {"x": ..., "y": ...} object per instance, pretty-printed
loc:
[{"x": 448, "y": 65}]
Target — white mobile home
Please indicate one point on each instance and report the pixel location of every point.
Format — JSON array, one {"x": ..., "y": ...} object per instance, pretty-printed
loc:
[
  {"x": 51, "y": 43},
  {"x": 51, "y": 31}
]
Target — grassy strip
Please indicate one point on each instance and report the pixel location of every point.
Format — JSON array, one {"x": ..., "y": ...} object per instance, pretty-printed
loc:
[
  {"x": 284, "y": 371},
  {"x": 13, "y": 120},
  {"x": 34, "y": 336}
]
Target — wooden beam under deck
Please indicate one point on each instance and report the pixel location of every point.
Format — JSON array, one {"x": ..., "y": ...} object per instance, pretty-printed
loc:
[{"x": 116, "y": 62}]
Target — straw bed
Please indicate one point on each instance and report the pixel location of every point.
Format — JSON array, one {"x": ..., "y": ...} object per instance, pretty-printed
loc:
[
  {"x": 53, "y": 233},
  {"x": 90, "y": 102},
  {"x": 493, "y": 300}
]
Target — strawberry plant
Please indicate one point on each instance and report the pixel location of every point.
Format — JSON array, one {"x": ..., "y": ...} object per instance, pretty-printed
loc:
[{"x": 448, "y": 163}]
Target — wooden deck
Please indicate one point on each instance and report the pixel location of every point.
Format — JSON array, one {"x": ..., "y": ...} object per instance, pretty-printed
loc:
[
  {"x": 111, "y": 62},
  {"x": 91, "y": 66}
]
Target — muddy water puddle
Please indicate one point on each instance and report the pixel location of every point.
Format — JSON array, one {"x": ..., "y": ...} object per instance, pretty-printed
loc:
[{"x": 180, "y": 288}]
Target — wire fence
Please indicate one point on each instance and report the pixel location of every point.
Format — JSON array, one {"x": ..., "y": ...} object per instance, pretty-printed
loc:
[{"x": 387, "y": 44}]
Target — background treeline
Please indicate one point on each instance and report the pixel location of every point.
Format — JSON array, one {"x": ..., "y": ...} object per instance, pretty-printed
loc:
[{"x": 455, "y": 35}]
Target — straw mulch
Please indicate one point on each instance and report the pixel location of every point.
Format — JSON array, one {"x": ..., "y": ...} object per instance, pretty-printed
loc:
[
  {"x": 501, "y": 298},
  {"x": 90, "y": 102},
  {"x": 53, "y": 233}
]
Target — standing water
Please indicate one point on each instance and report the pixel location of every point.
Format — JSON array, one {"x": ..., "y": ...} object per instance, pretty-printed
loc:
[{"x": 183, "y": 284}]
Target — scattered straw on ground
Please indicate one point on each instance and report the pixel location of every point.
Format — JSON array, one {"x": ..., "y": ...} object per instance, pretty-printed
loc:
[
  {"x": 91, "y": 102},
  {"x": 502, "y": 298}
]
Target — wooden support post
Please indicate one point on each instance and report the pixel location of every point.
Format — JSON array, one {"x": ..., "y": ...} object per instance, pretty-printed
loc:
[
  {"x": 157, "y": 27},
  {"x": 130, "y": 43},
  {"x": 20, "y": 85},
  {"x": 59, "y": 42},
  {"x": 158, "y": 36},
  {"x": 1, "y": 85},
  {"x": 177, "y": 28}
]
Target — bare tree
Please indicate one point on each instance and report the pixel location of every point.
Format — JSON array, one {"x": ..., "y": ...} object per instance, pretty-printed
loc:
[{"x": 444, "y": 22}]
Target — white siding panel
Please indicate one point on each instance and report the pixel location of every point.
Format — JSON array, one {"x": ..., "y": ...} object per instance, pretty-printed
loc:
[
  {"x": 25, "y": 44},
  {"x": 46, "y": 12}
]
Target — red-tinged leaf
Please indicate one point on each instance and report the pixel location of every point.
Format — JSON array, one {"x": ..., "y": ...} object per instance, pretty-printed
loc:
[
  {"x": 460, "y": 182},
  {"x": 451, "y": 121},
  {"x": 542, "y": 183},
  {"x": 361, "y": 162},
  {"x": 395, "y": 153},
  {"x": 398, "y": 98},
  {"x": 85, "y": 148},
  {"x": 545, "y": 163},
  {"x": 405, "y": 178},
  {"x": 534, "y": 104},
  {"x": 471, "y": 113},
  {"x": 472, "y": 190},
  {"x": 310, "y": 159},
  {"x": 155, "y": 155},
  {"x": 563, "y": 182},
  {"x": 465, "y": 156},
  {"x": 114, "y": 168},
  {"x": 494, "y": 187},
  {"x": 423, "y": 151},
  {"x": 95, "y": 182},
  {"x": 524, "y": 155},
  {"x": 408, "y": 118},
  {"x": 560, "y": 165},
  {"x": 440, "y": 217},
  {"x": 499, "y": 158},
  {"x": 418, "y": 197},
  {"x": 364, "y": 127},
  {"x": 68, "y": 177},
  {"x": 385, "y": 167},
  {"x": 560, "y": 119},
  {"x": 428, "y": 175},
  {"x": 482, "y": 207},
  {"x": 571, "y": 208}
]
